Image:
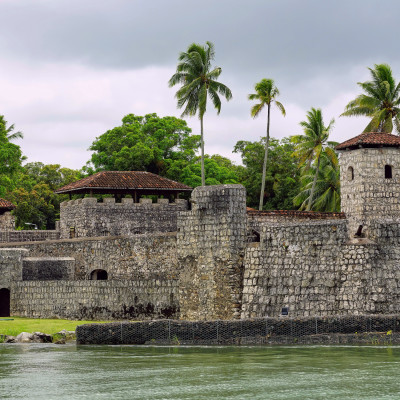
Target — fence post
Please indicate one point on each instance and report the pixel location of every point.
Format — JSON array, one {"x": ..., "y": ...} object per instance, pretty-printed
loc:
[
  {"x": 316, "y": 325},
  {"x": 217, "y": 332},
  {"x": 169, "y": 330}
]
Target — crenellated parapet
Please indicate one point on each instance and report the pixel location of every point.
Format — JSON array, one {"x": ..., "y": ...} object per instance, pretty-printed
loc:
[{"x": 88, "y": 218}]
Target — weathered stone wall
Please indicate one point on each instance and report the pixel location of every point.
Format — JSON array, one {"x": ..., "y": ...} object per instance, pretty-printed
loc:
[
  {"x": 28, "y": 236},
  {"x": 314, "y": 270},
  {"x": 210, "y": 244},
  {"x": 7, "y": 221},
  {"x": 95, "y": 300},
  {"x": 365, "y": 193},
  {"x": 11, "y": 266},
  {"x": 48, "y": 269},
  {"x": 88, "y": 218},
  {"x": 124, "y": 258}
]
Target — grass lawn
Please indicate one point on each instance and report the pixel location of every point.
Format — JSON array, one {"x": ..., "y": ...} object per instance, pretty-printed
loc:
[{"x": 49, "y": 326}]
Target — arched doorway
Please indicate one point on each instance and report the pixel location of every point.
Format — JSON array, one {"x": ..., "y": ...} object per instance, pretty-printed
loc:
[
  {"x": 4, "y": 303},
  {"x": 99, "y": 275}
]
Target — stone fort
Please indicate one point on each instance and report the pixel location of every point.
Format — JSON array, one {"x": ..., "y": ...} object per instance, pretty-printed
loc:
[{"x": 211, "y": 257}]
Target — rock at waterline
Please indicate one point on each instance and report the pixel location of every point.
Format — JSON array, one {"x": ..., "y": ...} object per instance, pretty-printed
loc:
[{"x": 36, "y": 337}]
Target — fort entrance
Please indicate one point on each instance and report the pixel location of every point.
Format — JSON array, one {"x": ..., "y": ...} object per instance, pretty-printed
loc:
[{"x": 4, "y": 302}]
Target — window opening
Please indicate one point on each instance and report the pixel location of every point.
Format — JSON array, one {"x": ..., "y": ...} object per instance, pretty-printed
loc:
[
  {"x": 388, "y": 172},
  {"x": 350, "y": 173}
]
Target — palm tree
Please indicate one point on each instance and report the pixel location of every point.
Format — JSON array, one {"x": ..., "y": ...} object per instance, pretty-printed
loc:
[
  {"x": 199, "y": 80},
  {"x": 266, "y": 91},
  {"x": 327, "y": 188},
  {"x": 380, "y": 103},
  {"x": 311, "y": 144},
  {"x": 8, "y": 131}
]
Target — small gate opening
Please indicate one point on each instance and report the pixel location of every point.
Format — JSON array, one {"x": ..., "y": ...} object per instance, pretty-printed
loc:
[
  {"x": 4, "y": 303},
  {"x": 99, "y": 275}
]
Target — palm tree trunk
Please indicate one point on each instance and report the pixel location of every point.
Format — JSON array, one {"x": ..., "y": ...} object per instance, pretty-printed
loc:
[
  {"x": 265, "y": 163},
  {"x": 313, "y": 186},
  {"x": 203, "y": 178}
]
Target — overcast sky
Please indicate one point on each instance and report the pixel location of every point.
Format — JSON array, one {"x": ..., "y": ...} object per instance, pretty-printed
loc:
[{"x": 71, "y": 69}]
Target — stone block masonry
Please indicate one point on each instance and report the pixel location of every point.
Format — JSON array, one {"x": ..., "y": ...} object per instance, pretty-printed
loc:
[
  {"x": 95, "y": 300},
  {"x": 12, "y": 236},
  {"x": 88, "y": 218},
  {"x": 48, "y": 268},
  {"x": 368, "y": 191},
  {"x": 11, "y": 266},
  {"x": 211, "y": 242},
  {"x": 124, "y": 258}
]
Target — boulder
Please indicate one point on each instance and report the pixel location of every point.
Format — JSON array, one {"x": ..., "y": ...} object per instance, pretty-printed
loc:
[
  {"x": 25, "y": 337},
  {"x": 40, "y": 337}
]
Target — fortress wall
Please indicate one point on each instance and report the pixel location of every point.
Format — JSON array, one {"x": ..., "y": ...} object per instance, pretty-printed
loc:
[
  {"x": 95, "y": 300},
  {"x": 12, "y": 236},
  {"x": 313, "y": 269},
  {"x": 124, "y": 258},
  {"x": 7, "y": 221},
  {"x": 210, "y": 244},
  {"x": 11, "y": 266},
  {"x": 88, "y": 218}
]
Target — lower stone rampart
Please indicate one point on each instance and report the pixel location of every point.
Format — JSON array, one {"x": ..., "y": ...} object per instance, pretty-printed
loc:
[
  {"x": 95, "y": 300},
  {"x": 129, "y": 258},
  {"x": 371, "y": 329}
]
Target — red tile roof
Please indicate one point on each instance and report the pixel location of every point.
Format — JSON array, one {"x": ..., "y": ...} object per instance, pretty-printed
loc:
[
  {"x": 297, "y": 214},
  {"x": 370, "y": 139},
  {"x": 5, "y": 204},
  {"x": 124, "y": 180}
]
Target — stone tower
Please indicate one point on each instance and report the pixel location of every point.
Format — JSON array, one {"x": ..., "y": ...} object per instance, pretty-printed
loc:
[
  {"x": 370, "y": 179},
  {"x": 211, "y": 243}
]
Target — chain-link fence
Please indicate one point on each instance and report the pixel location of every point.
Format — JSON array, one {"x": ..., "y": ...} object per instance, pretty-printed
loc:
[{"x": 338, "y": 329}]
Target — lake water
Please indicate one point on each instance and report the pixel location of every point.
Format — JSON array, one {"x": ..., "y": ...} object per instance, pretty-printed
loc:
[{"x": 130, "y": 372}]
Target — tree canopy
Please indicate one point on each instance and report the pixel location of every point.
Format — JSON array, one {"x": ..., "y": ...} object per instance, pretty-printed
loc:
[
  {"x": 199, "y": 80},
  {"x": 148, "y": 143},
  {"x": 380, "y": 102}
]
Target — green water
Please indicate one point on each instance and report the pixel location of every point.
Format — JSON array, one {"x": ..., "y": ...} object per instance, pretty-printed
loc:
[{"x": 124, "y": 372}]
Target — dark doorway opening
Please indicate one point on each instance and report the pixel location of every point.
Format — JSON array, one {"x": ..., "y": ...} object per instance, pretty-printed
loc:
[
  {"x": 4, "y": 303},
  {"x": 99, "y": 275}
]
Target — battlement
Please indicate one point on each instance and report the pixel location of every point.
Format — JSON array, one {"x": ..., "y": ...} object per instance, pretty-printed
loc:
[{"x": 87, "y": 217}]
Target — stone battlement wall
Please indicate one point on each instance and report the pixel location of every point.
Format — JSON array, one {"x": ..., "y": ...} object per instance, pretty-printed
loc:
[
  {"x": 28, "y": 236},
  {"x": 95, "y": 300},
  {"x": 314, "y": 270},
  {"x": 88, "y": 218},
  {"x": 124, "y": 258}
]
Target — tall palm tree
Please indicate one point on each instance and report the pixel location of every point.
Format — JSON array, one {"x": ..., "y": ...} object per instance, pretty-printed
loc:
[
  {"x": 266, "y": 91},
  {"x": 199, "y": 80},
  {"x": 327, "y": 188},
  {"x": 380, "y": 103},
  {"x": 8, "y": 131},
  {"x": 311, "y": 144}
]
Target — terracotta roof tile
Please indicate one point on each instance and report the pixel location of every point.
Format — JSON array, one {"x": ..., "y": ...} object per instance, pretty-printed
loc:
[
  {"x": 5, "y": 204},
  {"x": 370, "y": 139},
  {"x": 298, "y": 214},
  {"x": 124, "y": 180}
]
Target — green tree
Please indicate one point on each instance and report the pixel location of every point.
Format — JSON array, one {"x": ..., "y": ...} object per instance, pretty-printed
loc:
[
  {"x": 9, "y": 131},
  {"x": 199, "y": 80},
  {"x": 265, "y": 95},
  {"x": 380, "y": 101},
  {"x": 10, "y": 158},
  {"x": 311, "y": 144},
  {"x": 282, "y": 180},
  {"x": 327, "y": 188},
  {"x": 34, "y": 195},
  {"x": 148, "y": 143},
  {"x": 219, "y": 170}
]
